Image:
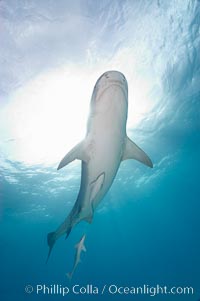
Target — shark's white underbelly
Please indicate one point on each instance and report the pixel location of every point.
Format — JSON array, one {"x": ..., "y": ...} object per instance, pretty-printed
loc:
[{"x": 107, "y": 146}]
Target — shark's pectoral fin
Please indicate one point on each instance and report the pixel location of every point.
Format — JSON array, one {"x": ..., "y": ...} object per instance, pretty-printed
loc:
[
  {"x": 84, "y": 249},
  {"x": 78, "y": 152},
  {"x": 132, "y": 151},
  {"x": 96, "y": 186}
]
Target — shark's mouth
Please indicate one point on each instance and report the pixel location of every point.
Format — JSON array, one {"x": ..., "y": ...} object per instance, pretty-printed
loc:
[{"x": 113, "y": 83}]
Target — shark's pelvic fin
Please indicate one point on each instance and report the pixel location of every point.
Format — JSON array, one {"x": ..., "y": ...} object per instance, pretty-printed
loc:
[
  {"x": 132, "y": 151},
  {"x": 96, "y": 186},
  {"x": 89, "y": 218},
  {"x": 77, "y": 152}
]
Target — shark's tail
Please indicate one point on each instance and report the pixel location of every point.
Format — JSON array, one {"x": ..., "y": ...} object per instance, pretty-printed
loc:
[
  {"x": 51, "y": 241},
  {"x": 52, "y": 237}
]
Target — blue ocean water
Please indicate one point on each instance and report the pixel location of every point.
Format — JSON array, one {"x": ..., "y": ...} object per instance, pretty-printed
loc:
[{"x": 146, "y": 230}]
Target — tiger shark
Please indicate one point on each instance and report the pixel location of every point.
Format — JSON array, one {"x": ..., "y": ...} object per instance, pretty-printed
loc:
[{"x": 105, "y": 146}]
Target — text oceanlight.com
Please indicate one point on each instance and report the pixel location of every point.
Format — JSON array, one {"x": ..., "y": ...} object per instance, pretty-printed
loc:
[{"x": 111, "y": 289}]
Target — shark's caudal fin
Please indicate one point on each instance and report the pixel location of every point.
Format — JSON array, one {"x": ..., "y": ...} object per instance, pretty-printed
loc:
[
  {"x": 53, "y": 236},
  {"x": 51, "y": 241},
  {"x": 132, "y": 151}
]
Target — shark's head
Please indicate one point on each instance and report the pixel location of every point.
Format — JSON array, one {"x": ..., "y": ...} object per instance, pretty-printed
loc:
[{"x": 109, "y": 80}]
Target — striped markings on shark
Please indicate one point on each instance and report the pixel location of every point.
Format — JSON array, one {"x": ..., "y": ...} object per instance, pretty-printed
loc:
[
  {"x": 80, "y": 247},
  {"x": 105, "y": 146}
]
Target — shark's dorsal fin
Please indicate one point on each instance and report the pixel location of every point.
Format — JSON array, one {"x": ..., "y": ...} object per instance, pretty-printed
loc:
[
  {"x": 132, "y": 151},
  {"x": 77, "y": 152}
]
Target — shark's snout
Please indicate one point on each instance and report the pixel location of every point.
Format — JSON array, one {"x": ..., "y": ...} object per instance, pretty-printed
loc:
[
  {"x": 107, "y": 80},
  {"x": 114, "y": 76}
]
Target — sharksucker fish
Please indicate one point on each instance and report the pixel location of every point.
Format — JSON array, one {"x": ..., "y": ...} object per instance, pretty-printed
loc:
[
  {"x": 77, "y": 259},
  {"x": 105, "y": 146}
]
